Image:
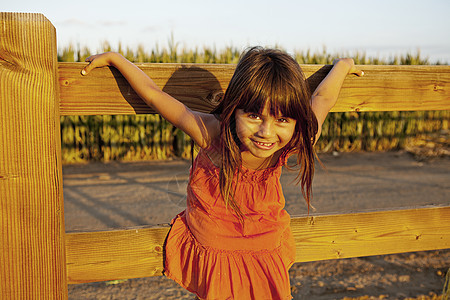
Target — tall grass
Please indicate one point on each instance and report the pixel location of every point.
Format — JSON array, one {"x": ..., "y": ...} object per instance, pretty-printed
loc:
[{"x": 143, "y": 137}]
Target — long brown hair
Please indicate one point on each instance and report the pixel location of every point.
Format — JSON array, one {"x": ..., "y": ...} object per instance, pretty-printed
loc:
[{"x": 266, "y": 77}]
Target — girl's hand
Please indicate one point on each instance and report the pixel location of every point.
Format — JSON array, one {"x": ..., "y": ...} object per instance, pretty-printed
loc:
[
  {"x": 350, "y": 64},
  {"x": 97, "y": 61}
]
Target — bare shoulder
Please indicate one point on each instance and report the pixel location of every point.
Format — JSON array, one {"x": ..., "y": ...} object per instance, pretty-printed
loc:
[{"x": 210, "y": 129}]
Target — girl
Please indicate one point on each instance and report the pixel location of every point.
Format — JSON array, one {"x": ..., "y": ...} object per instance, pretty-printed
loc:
[{"x": 233, "y": 241}]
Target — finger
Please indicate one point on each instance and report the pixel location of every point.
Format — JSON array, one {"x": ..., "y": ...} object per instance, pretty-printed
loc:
[
  {"x": 87, "y": 69},
  {"x": 357, "y": 72},
  {"x": 90, "y": 58}
]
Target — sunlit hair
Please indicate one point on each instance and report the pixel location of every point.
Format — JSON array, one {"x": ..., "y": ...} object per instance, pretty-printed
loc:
[{"x": 267, "y": 77}]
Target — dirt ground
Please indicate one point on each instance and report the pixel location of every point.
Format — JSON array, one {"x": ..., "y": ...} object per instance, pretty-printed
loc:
[{"x": 119, "y": 195}]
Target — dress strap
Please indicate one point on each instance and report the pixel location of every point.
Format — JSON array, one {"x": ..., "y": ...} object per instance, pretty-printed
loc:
[{"x": 209, "y": 157}]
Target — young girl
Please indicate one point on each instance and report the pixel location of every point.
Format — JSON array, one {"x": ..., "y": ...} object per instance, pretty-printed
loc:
[{"x": 233, "y": 241}]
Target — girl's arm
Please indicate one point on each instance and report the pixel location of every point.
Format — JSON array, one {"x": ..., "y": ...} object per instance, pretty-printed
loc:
[
  {"x": 327, "y": 92},
  {"x": 201, "y": 127}
]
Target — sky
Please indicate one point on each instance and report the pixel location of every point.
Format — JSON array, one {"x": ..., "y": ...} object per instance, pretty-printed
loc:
[{"x": 382, "y": 28}]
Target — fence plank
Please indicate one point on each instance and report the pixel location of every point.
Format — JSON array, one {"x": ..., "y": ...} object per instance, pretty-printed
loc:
[
  {"x": 133, "y": 253},
  {"x": 32, "y": 231},
  {"x": 375, "y": 233},
  {"x": 383, "y": 88},
  {"x": 108, "y": 255}
]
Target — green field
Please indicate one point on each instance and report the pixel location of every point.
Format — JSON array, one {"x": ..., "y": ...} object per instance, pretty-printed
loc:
[{"x": 144, "y": 137}]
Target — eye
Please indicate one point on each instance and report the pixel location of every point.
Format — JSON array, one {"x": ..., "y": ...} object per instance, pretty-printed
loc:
[
  {"x": 253, "y": 116},
  {"x": 283, "y": 120}
]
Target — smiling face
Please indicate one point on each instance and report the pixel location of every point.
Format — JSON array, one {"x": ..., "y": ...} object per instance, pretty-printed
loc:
[
  {"x": 262, "y": 135},
  {"x": 265, "y": 77}
]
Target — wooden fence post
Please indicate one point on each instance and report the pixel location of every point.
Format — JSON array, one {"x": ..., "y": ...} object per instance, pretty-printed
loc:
[{"x": 32, "y": 237}]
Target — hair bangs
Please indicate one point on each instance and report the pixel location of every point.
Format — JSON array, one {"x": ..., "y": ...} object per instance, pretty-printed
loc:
[
  {"x": 274, "y": 91},
  {"x": 284, "y": 100}
]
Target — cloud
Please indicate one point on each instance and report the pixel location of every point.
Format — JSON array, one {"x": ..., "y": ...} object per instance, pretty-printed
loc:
[
  {"x": 73, "y": 22},
  {"x": 81, "y": 23},
  {"x": 112, "y": 23},
  {"x": 150, "y": 28}
]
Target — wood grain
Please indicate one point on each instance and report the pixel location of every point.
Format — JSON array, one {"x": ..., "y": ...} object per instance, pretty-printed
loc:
[
  {"x": 107, "y": 255},
  {"x": 375, "y": 233},
  {"x": 133, "y": 253},
  {"x": 199, "y": 86},
  {"x": 32, "y": 232}
]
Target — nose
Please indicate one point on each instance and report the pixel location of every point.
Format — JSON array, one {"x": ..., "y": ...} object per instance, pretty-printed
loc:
[{"x": 265, "y": 129}]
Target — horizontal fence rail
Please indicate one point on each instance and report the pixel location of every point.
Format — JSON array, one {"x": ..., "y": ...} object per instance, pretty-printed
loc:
[
  {"x": 138, "y": 252},
  {"x": 383, "y": 88}
]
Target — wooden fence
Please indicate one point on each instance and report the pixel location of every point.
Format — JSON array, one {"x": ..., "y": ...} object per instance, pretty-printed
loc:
[{"x": 38, "y": 259}]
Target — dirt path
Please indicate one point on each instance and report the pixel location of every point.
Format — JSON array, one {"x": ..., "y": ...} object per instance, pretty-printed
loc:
[{"x": 117, "y": 195}]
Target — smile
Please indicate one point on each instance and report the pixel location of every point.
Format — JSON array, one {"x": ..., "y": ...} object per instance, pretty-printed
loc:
[{"x": 265, "y": 146}]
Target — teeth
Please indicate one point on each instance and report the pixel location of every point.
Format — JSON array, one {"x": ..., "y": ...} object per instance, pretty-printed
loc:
[{"x": 264, "y": 144}]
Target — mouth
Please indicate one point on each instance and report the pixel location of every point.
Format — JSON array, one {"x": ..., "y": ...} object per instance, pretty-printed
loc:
[{"x": 264, "y": 146}]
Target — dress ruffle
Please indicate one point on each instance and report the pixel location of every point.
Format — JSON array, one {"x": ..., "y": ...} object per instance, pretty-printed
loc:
[
  {"x": 227, "y": 274},
  {"x": 214, "y": 255}
]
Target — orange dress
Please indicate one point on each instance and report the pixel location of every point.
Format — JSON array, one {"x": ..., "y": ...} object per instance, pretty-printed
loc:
[{"x": 210, "y": 253}]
